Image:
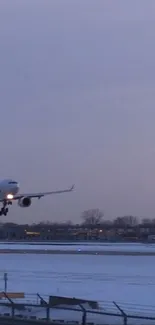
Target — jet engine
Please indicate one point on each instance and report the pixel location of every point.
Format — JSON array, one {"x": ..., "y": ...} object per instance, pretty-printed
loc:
[{"x": 24, "y": 202}]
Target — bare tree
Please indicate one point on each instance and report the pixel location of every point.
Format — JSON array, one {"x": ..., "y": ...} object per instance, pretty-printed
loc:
[
  {"x": 129, "y": 221},
  {"x": 119, "y": 222},
  {"x": 92, "y": 217}
]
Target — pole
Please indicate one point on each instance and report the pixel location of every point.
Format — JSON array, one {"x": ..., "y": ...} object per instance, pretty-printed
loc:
[{"x": 5, "y": 281}]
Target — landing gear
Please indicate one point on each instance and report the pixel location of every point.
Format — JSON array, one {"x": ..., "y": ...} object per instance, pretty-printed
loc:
[{"x": 4, "y": 209}]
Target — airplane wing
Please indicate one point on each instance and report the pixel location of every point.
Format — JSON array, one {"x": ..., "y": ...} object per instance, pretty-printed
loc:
[{"x": 39, "y": 195}]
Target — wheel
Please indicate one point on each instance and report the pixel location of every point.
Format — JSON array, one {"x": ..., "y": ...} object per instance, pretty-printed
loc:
[{"x": 5, "y": 211}]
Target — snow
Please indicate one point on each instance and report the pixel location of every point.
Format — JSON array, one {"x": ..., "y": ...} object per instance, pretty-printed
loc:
[{"x": 127, "y": 280}]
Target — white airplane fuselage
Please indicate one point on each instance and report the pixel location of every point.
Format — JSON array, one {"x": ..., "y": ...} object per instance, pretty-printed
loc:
[{"x": 8, "y": 188}]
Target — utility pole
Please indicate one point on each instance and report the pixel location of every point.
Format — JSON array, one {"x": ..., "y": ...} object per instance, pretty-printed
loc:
[{"x": 5, "y": 282}]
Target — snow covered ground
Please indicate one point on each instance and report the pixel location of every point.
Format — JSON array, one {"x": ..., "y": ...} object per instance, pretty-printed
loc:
[
  {"x": 119, "y": 278},
  {"x": 127, "y": 280}
]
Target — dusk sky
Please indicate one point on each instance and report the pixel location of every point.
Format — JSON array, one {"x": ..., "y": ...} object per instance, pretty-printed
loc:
[{"x": 77, "y": 98}]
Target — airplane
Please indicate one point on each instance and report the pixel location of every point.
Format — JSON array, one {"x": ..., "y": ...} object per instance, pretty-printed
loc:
[{"x": 9, "y": 192}]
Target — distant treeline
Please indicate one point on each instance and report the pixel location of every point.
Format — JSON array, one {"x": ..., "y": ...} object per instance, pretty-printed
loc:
[
  {"x": 93, "y": 226},
  {"x": 93, "y": 218}
]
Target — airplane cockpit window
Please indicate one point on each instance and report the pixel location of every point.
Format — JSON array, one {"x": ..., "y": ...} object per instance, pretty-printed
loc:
[{"x": 12, "y": 182}]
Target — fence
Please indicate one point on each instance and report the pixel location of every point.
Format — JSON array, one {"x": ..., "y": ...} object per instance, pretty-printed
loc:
[{"x": 34, "y": 308}]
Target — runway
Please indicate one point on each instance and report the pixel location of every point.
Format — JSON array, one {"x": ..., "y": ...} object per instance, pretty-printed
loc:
[
  {"x": 78, "y": 252},
  {"x": 77, "y": 248}
]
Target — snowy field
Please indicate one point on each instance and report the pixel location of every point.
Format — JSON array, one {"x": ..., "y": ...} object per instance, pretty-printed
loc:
[
  {"x": 127, "y": 280},
  {"x": 118, "y": 278}
]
